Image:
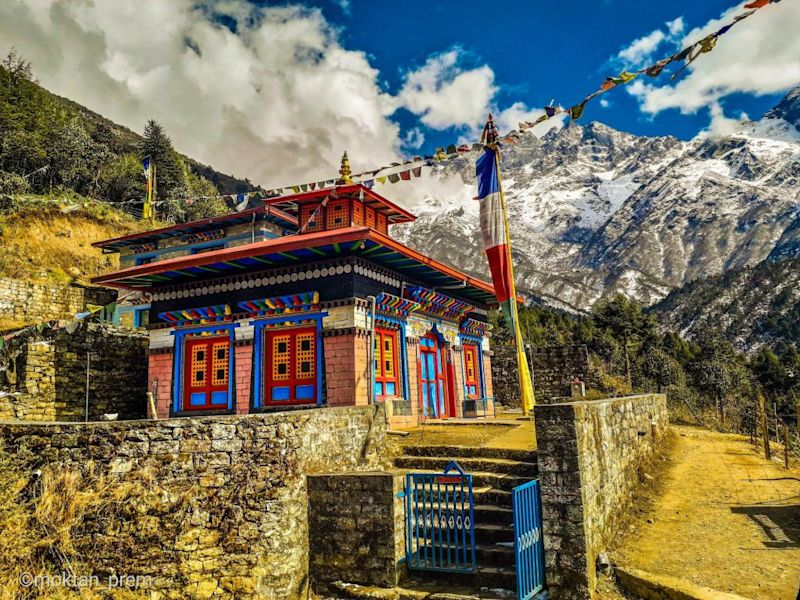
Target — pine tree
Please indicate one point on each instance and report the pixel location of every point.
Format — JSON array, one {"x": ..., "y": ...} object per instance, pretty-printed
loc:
[{"x": 169, "y": 171}]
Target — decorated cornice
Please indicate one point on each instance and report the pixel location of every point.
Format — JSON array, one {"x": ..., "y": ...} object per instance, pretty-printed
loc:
[
  {"x": 474, "y": 327},
  {"x": 282, "y": 305},
  {"x": 394, "y": 306},
  {"x": 138, "y": 249},
  {"x": 195, "y": 316},
  {"x": 437, "y": 304},
  {"x": 203, "y": 236}
]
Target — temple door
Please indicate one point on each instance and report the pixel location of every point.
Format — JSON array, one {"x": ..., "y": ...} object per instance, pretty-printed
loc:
[
  {"x": 431, "y": 379},
  {"x": 451, "y": 383}
]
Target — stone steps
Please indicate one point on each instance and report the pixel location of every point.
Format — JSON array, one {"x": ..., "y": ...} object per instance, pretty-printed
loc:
[
  {"x": 470, "y": 465},
  {"x": 461, "y": 452},
  {"x": 495, "y": 472}
]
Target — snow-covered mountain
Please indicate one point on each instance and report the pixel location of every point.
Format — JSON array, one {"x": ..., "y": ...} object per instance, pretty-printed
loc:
[{"x": 594, "y": 211}]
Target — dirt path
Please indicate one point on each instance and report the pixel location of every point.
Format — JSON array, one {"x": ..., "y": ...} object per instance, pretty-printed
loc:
[{"x": 724, "y": 518}]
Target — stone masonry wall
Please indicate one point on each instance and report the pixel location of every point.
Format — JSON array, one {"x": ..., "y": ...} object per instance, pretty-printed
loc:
[
  {"x": 590, "y": 456},
  {"x": 25, "y": 302},
  {"x": 46, "y": 375},
  {"x": 356, "y": 529},
  {"x": 220, "y": 504},
  {"x": 554, "y": 368}
]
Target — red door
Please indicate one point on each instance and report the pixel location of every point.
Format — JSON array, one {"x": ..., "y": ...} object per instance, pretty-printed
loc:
[
  {"x": 451, "y": 384},
  {"x": 206, "y": 373},
  {"x": 290, "y": 368},
  {"x": 432, "y": 379}
]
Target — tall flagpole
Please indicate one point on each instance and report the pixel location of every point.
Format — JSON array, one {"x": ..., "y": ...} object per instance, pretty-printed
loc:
[
  {"x": 497, "y": 245},
  {"x": 525, "y": 384}
]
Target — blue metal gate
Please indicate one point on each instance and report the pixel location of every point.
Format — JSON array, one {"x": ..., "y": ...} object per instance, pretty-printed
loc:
[
  {"x": 440, "y": 521},
  {"x": 528, "y": 543}
]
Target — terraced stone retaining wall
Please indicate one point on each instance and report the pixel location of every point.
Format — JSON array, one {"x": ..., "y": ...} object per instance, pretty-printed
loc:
[
  {"x": 43, "y": 377},
  {"x": 25, "y": 302},
  {"x": 356, "y": 529},
  {"x": 220, "y": 504},
  {"x": 591, "y": 460}
]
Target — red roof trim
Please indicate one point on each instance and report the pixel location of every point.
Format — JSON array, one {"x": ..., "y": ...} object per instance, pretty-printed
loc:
[
  {"x": 287, "y": 244},
  {"x": 407, "y": 217},
  {"x": 212, "y": 221}
]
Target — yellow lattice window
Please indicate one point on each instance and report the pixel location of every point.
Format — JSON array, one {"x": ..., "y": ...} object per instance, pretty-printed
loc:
[
  {"x": 388, "y": 356},
  {"x": 219, "y": 363},
  {"x": 305, "y": 355},
  {"x": 199, "y": 359},
  {"x": 281, "y": 358}
]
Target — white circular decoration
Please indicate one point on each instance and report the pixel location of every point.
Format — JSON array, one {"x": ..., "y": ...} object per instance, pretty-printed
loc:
[
  {"x": 279, "y": 279},
  {"x": 347, "y": 268},
  {"x": 324, "y": 271}
]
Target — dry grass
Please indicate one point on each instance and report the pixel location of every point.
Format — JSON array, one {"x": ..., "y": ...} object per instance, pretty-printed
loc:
[
  {"x": 44, "y": 516},
  {"x": 46, "y": 241}
]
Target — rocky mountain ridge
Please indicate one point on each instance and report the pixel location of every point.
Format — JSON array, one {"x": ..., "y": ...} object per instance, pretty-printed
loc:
[{"x": 594, "y": 211}]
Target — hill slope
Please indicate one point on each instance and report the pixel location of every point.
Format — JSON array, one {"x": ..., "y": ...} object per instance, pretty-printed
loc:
[{"x": 752, "y": 306}]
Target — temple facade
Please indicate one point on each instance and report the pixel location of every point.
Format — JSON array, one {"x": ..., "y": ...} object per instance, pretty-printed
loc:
[{"x": 305, "y": 301}]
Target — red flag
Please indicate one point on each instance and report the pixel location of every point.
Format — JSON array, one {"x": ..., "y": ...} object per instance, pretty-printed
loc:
[{"x": 757, "y": 4}]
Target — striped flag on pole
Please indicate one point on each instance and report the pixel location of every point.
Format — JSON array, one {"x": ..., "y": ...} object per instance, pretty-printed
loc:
[
  {"x": 497, "y": 245},
  {"x": 149, "y": 168}
]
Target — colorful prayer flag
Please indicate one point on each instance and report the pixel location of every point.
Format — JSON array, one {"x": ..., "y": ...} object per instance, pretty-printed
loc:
[{"x": 496, "y": 244}]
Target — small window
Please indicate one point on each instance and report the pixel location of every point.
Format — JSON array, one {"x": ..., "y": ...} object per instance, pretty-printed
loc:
[
  {"x": 143, "y": 260},
  {"x": 282, "y": 347},
  {"x": 386, "y": 368}
]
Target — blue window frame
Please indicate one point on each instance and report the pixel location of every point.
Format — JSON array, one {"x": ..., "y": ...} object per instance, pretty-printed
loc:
[
  {"x": 478, "y": 343},
  {"x": 141, "y": 317},
  {"x": 259, "y": 355},
  {"x": 402, "y": 359},
  {"x": 143, "y": 260},
  {"x": 180, "y": 358}
]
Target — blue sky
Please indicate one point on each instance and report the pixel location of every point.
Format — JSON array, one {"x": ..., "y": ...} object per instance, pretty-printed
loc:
[
  {"x": 538, "y": 51},
  {"x": 275, "y": 91}
]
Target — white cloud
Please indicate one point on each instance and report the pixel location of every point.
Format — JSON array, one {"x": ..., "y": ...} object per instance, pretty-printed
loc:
[
  {"x": 641, "y": 50},
  {"x": 605, "y": 103},
  {"x": 758, "y": 56},
  {"x": 511, "y": 117},
  {"x": 722, "y": 125},
  {"x": 414, "y": 138},
  {"x": 444, "y": 94},
  {"x": 277, "y": 101},
  {"x": 676, "y": 26}
]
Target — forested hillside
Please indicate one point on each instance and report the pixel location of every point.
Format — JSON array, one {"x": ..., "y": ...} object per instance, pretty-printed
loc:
[
  {"x": 751, "y": 307},
  {"x": 50, "y": 144},
  {"x": 637, "y": 351}
]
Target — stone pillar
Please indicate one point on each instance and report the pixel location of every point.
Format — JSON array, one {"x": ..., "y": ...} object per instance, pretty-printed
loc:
[{"x": 356, "y": 529}]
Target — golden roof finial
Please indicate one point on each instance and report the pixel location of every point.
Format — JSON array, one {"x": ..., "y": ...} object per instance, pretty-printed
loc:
[{"x": 345, "y": 171}]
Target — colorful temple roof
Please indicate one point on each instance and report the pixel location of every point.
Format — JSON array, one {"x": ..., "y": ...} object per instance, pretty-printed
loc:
[
  {"x": 395, "y": 214},
  {"x": 145, "y": 238},
  {"x": 294, "y": 250}
]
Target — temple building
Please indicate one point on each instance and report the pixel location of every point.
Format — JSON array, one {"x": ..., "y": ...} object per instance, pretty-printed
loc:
[{"x": 306, "y": 301}]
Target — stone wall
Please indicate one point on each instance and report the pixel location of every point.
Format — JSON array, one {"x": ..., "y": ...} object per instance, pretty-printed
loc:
[
  {"x": 23, "y": 302},
  {"x": 591, "y": 455},
  {"x": 220, "y": 504},
  {"x": 46, "y": 374},
  {"x": 554, "y": 368},
  {"x": 355, "y": 529}
]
